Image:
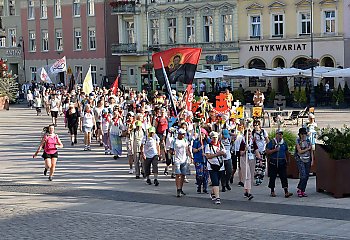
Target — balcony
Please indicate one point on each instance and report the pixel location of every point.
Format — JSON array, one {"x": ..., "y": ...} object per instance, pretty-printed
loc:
[
  {"x": 124, "y": 7},
  {"x": 124, "y": 49},
  {"x": 208, "y": 47}
]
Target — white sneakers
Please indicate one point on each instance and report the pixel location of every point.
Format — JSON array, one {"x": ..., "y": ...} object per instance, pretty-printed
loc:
[{"x": 131, "y": 171}]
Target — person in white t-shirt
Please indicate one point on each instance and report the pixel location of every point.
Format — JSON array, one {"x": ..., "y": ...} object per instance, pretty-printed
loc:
[
  {"x": 215, "y": 152},
  {"x": 180, "y": 150},
  {"x": 88, "y": 121},
  {"x": 54, "y": 106},
  {"x": 150, "y": 151}
]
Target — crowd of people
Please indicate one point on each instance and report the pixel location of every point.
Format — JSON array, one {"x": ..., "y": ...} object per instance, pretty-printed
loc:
[{"x": 218, "y": 145}]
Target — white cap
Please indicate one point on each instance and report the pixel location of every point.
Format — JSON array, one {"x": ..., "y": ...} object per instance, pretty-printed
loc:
[
  {"x": 131, "y": 114},
  {"x": 182, "y": 131}
]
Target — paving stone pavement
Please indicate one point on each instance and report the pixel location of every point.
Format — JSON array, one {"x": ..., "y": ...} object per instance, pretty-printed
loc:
[{"x": 94, "y": 197}]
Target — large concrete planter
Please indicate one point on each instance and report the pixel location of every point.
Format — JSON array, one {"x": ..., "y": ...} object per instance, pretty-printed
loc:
[
  {"x": 332, "y": 175},
  {"x": 4, "y": 103},
  {"x": 292, "y": 167}
]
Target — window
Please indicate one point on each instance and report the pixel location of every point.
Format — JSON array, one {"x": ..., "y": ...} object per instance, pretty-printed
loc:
[
  {"x": 43, "y": 9},
  {"x": 76, "y": 8},
  {"x": 130, "y": 32},
  {"x": 32, "y": 44},
  {"x": 44, "y": 40},
  {"x": 12, "y": 37},
  {"x": 31, "y": 13},
  {"x": 1, "y": 8},
  {"x": 94, "y": 74},
  {"x": 171, "y": 30},
  {"x": 227, "y": 27},
  {"x": 92, "y": 38},
  {"x": 329, "y": 17},
  {"x": 277, "y": 27},
  {"x": 32, "y": 73},
  {"x": 57, "y": 8},
  {"x": 190, "y": 30},
  {"x": 77, "y": 39},
  {"x": 79, "y": 71},
  {"x": 2, "y": 42},
  {"x": 91, "y": 7},
  {"x": 59, "y": 40},
  {"x": 305, "y": 23},
  {"x": 257, "y": 82},
  {"x": 208, "y": 29},
  {"x": 255, "y": 27},
  {"x": 12, "y": 7},
  {"x": 154, "y": 31}
]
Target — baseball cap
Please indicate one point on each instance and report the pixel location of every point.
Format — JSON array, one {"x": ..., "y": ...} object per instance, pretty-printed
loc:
[
  {"x": 214, "y": 135},
  {"x": 279, "y": 131},
  {"x": 225, "y": 133},
  {"x": 152, "y": 130},
  {"x": 182, "y": 131},
  {"x": 131, "y": 114}
]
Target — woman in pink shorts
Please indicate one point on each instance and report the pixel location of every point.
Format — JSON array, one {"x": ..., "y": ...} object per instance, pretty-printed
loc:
[{"x": 50, "y": 142}]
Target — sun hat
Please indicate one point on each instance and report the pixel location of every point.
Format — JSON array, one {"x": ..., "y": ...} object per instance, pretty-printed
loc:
[{"x": 204, "y": 131}]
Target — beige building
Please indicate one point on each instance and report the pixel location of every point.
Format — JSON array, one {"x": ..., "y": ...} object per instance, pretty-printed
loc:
[
  {"x": 278, "y": 34},
  {"x": 210, "y": 25},
  {"x": 10, "y": 37}
]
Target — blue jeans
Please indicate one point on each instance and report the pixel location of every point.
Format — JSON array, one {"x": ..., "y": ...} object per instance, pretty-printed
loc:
[{"x": 304, "y": 172}]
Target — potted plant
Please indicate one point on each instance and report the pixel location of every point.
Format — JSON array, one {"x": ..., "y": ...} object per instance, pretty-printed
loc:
[
  {"x": 338, "y": 98},
  {"x": 271, "y": 98},
  {"x": 333, "y": 161},
  {"x": 300, "y": 98},
  {"x": 8, "y": 86}
]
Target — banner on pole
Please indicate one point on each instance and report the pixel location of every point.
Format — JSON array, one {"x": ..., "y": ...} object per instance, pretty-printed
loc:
[{"x": 59, "y": 66}]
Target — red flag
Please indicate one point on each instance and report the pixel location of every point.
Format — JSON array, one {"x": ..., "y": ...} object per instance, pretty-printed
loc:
[
  {"x": 180, "y": 64},
  {"x": 115, "y": 85},
  {"x": 189, "y": 97}
]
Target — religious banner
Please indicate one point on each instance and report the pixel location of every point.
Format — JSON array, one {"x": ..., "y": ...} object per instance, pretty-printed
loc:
[
  {"x": 59, "y": 66},
  {"x": 221, "y": 104},
  {"x": 44, "y": 76},
  {"x": 115, "y": 85},
  {"x": 189, "y": 97},
  {"x": 180, "y": 64}
]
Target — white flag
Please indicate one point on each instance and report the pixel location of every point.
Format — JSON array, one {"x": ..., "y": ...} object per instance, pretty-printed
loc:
[
  {"x": 87, "y": 84},
  {"x": 44, "y": 76},
  {"x": 59, "y": 66}
]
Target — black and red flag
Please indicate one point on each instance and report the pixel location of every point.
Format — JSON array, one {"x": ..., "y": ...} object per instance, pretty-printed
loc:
[{"x": 180, "y": 64}]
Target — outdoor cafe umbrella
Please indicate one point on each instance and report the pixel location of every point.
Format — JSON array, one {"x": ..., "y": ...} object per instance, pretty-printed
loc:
[
  {"x": 284, "y": 72},
  {"x": 338, "y": 73},
  {"x": 245, "y": 72},
  {"x": 210, "y": 74}
]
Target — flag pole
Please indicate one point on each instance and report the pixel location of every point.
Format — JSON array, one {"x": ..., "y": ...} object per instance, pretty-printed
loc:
[{"x": 168, "y": 86}]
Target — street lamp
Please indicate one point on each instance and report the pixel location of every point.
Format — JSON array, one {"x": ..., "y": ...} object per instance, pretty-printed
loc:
[
  {"x": 21, "y": 44},
  {"x": 312, "y": 87},
  {"x": 147, "y": 41}
]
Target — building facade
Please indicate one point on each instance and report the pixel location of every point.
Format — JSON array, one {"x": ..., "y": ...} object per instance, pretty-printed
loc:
[
  {"x": 346, "y": 21},
  {"x": 79, "y": 30},
  {"x": 278, "y": 34},
  {"x": 154, "y": 25},
  {"x": 10, "y": 32}
]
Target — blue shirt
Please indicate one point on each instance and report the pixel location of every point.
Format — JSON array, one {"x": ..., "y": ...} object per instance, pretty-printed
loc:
[
  {"x": 198, "y": 156},
  {"x": 281, "y": 154}
]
